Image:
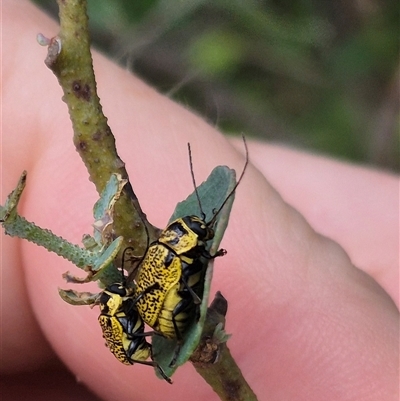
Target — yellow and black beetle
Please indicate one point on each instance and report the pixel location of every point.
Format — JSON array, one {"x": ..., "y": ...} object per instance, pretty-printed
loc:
[
  {"x": 175, "y": 262},
  {"x": 123, "y": 328}
]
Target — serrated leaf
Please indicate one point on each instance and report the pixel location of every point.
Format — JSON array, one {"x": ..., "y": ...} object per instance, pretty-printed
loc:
[
  {"x": 108, "y": 255},
  {"x": 104, "y": 208},
  {"x": 89, "y": 243},
  {"x": 102, "y": 268},
  {"x": 212, "y": 193},
  {"x": 220, "y": 334},
  {"x": 10, "y": 207},
  {"x": 78, "y": 298}
]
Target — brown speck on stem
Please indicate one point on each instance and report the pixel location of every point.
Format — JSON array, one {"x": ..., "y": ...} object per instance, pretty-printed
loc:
[
  {"x": 231, "y": 388},
  {"x": 119, "y": 163},
  {"x": 82, "y": 91},
  {"x": 82, "y": 145},
  {"x": 96, "y": 136}
]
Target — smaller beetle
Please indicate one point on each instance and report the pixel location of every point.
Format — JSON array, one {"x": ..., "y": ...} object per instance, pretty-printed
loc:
[{"x": 123, "y": 328}]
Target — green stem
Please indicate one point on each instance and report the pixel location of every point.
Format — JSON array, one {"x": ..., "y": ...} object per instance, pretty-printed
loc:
[
  {"x": 24, "y": 229},
  {"x": 16, "y": 226},
  {"x": 213, "y": 360},
  {"x": 70, "y": 59},
  {"x": 225, "y": 378}
]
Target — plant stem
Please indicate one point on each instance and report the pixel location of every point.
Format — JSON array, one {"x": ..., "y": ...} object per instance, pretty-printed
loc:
[
  {"x": 225, "y": 378},
  {"x": 16, "y": 226},
  {"x": 213, "y": 360},
  {"x": 70, "y": 60}
]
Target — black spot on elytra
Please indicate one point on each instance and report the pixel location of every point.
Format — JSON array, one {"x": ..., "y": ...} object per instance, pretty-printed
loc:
[{"x": 81, "y": 91}]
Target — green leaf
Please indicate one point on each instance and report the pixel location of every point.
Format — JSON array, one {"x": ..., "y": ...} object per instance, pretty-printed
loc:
[
  {"x": 103, "y": 210},
  {"x": 212, "y": 193},
  {"x": 109, "y": 254},
  {"x": 78, "y": 298}
]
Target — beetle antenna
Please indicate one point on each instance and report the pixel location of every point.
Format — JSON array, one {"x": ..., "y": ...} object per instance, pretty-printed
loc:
[
  {"x": 139, "y": 262},
  {"x": 203, "y": 215},
  {"x": 131, "y": 275},
  {"x": 123, "y": 263},
  {"x": 212, "y": 221}
]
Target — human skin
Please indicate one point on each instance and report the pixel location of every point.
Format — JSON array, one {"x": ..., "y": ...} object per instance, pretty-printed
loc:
[{"x": 306, "y": 323}]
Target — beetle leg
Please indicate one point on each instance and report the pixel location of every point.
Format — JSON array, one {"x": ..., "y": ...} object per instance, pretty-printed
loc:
[
  {"x": 196, "y": 298},
  {"x": 155, "y": 365},
  {"x": 180, "y": 308}
]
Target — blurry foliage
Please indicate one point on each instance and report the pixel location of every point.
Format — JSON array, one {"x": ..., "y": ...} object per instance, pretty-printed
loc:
[{"x": 319, "y": 75}]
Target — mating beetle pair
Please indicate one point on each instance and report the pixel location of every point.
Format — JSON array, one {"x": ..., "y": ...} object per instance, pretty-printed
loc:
[{"x": 168, "y": 289}]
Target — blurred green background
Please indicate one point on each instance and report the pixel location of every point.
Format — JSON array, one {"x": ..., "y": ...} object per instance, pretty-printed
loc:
[{"x": 319, "y": 75}]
